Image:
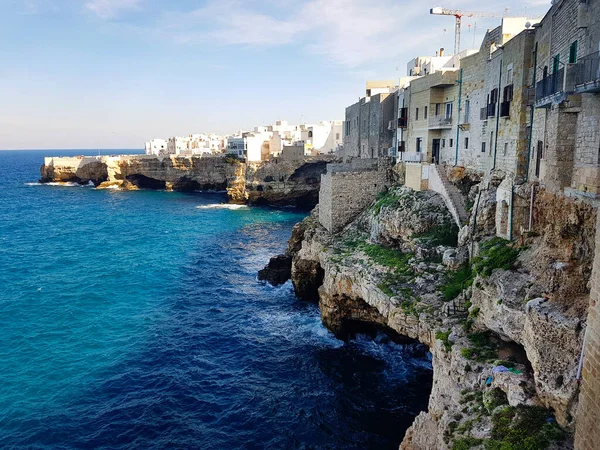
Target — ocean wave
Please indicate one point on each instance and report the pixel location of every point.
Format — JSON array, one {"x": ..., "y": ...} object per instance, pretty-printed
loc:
[
  {"x": 222, "y": 206},
  {"x": 298, "y": 326},
  {"x": 61, "y": 183}
]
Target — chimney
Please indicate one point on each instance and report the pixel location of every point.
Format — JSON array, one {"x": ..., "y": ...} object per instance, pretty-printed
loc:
[{"x": 441, "y": 52}]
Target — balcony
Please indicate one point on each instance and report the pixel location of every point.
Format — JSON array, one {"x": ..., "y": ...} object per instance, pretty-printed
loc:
[
  {"x": 556, "y": 87},
  {"x": 505, "y": 109},
  {"x": 391, "y": 125},
  {"x": 440, "y": 122},
  {"x": 587, "y": 74},
  {"x": 414, "y": 157},
  {"x": 550, "y": 85}
]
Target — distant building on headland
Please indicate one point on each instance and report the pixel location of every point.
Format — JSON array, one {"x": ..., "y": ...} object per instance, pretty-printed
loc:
[{"x": 260, "y": 144}]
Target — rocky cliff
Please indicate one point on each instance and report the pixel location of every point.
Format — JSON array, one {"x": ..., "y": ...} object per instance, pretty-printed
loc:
[
  {"x": 504, "y": 325},
  {"x": 274, "y": 182}
]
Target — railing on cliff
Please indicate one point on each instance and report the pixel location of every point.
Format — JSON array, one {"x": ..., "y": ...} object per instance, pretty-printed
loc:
[{"x": 439, "y": 183}]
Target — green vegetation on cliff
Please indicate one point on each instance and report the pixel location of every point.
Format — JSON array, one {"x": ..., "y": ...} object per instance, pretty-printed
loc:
[
  {"x": 439, "y": 235},
  {"x": 494, "y": 254}
]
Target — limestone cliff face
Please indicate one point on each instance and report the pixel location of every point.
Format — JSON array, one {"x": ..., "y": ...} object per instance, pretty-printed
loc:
[
  {"x": 392, "y": 267},
  {"x": 277, "y": 182},
  {"x": 281, "y": 182}
]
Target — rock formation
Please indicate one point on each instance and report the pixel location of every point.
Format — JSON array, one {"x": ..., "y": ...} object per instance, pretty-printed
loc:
[
  {"x": 275, "y": 182},
  {"x": 503, "y": 320}
]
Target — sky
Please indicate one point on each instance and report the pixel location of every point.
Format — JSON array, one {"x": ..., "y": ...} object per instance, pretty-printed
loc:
[{"x": 90, "y": 74}]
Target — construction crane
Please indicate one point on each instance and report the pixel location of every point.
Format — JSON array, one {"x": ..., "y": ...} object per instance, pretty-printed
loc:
[{"x": 459, "y": 15}]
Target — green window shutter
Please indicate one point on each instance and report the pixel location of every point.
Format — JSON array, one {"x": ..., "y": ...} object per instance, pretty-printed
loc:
[
  {"x": 556, "y": 65},
  {"x": 573, "y": 53}
]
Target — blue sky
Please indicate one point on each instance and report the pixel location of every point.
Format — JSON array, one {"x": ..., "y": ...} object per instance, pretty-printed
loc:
[{"x": 114, "y": 73}]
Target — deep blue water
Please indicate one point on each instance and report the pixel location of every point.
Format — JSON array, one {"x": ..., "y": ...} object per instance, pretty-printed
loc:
[{"x": 134, "y": 320}]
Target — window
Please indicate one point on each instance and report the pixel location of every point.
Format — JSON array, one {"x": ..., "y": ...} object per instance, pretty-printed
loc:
[
  {"x": 451, "y": 143},
  {"x": 419, "y": 142},
  {"x": 494, "y": 96},
  {"x": 556, "y": 64},
  {"x": 443, "y": 143},
  {"x": 491, "y": 140},
  {"x": 449, "y": 111},
  {"x": 417, "y": 114},
  {"x": 573, "y": 53},
  {"x": 466, "y": 142},
  {"x": 467, "y": 111},
  {"x": 437, "y": 109},
  {"x": 337, "y": 136},
  {"x": 310, "y": 134},
  {"x": 483, "y": 147},
  {"x": 425, "y": 113},
  {"x": 505, "y": 148},
  {"x": 507, "y": 94}
]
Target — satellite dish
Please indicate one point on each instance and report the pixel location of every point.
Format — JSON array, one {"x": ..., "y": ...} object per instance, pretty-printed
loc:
[{"x": 528, "y": 25}]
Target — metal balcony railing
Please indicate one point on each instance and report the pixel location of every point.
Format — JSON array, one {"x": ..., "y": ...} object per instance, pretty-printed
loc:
[
  {"x": 550, "y": 85},
  {"x": 587, "y": 73},
  {"x": 415, "y": 157},
  {"x": 440, "y": 122}
]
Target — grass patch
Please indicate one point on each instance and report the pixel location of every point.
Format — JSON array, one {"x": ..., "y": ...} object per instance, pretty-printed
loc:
[
  {"x": 444, "y": 337},
  {"x": 523, "y": 428},
  {"x": 439, "y": 235},
  {"x": 494, "y": 254},
  {"x": 465, "y": 443},
  {"x": 388, "y": 257},
  {"x": 457, "y": 281},
  {"x": 494, "y": 398},
  {"x": 384, "y": 199},
  {"x": 481, "y": 349}
]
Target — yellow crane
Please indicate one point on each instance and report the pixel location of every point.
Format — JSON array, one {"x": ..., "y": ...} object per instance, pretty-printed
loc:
[{"x": 459, "y": 14}]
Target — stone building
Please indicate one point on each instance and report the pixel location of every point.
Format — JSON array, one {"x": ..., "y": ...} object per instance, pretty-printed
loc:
[
  {"x": 431, "y": 114},
  {"x": 566, "y": 136},
  {"x": 370, "y": 125}
]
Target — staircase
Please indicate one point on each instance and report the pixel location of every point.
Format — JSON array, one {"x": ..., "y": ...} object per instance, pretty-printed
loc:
[
  {"x": 438, "y": 181},
  {"x": 456, "y": 307}
]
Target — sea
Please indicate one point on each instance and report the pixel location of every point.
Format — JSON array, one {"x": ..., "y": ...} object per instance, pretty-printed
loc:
[{"x": 136, "y": 320}]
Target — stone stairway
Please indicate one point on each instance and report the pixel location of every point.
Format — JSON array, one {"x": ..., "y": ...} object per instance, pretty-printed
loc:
[
  {"x": 453, "y": 195},
  {"x": 456, "y": 307}
]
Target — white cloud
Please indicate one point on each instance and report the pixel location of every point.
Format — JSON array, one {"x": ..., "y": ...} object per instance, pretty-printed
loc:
[
  {"x": 107, "y": 9},
  {"x": 349, "y": 33}
]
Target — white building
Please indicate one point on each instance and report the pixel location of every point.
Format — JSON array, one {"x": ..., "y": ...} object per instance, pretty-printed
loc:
[
  {"x": 326, "y": 137},
  {"x": 236, "y": 145},
  {"x": 156, "y": 147}
]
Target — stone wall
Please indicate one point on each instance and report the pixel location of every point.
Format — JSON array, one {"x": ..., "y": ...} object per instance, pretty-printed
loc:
[
  {"x": 347, "y": 190},
  {"x": 587, "y": 433}
]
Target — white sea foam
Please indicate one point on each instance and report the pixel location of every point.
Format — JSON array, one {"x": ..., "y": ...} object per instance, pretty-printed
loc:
[
  {"x": 222, "y": 206},
  {"x": 61, "y": 183},
  {"x": 114, "y": 187},
  {"x": 298, "y": 326}
]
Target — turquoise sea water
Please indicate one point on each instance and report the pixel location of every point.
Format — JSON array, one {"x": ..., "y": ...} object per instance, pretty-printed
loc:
[{"x": 135, "y": 320}]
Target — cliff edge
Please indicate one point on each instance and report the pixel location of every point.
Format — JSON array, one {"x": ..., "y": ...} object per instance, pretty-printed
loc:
[{"x": 504, "y": 320}]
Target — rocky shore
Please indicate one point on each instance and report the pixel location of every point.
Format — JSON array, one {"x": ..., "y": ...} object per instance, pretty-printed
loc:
[
  {"x": 276, "y": 182},
  {"x": 504, "y": 321}
]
